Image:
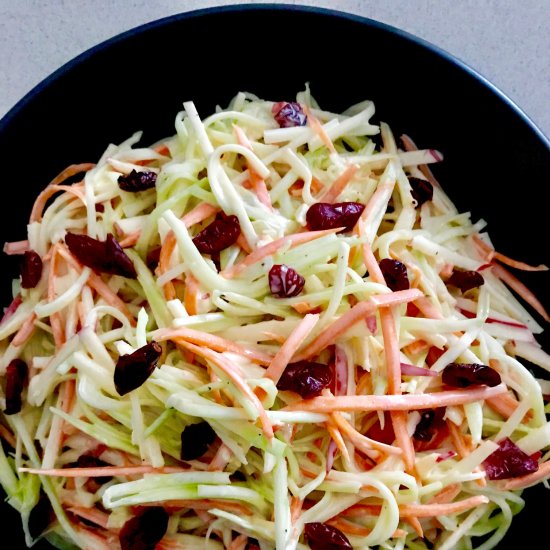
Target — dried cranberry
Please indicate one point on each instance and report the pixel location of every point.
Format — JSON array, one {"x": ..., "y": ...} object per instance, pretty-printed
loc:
[
  {"x": 322, "y": 536},
  {"x": 430, "y": 422},
  {"x": 102, "y": 256},
  {"x": 395, "y": 274},
  {"x": 289, "y": 114},
  {"x": 384, "y": 435},
  {"x": 421, "y": 190},
  {"x": 220, "y": 234},
  {"x": 31, "y": 269},
  {"x": 306, "y": 378},
  {"x": 145, "y": 530},
  {"x": 153, "y": 258},
  {"x": 462, "y": 375},
  {"x": 509, "y": 461},
  {"x": 16, "y": 376},
  {"x": 132, "y": 370},
  {"x": 465, "y": 280},
  {"x": 137, "y": 181},
  {"x": 284, "y": 281},
  {"x": 196, "y": 439},
  {"x": 323, "y": 215}
]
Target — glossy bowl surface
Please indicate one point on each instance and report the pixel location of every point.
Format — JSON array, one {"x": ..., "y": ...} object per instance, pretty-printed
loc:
[{"x": 497, "y": 163}]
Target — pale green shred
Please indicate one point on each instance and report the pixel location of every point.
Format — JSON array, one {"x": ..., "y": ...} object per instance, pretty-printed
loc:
[{"x": 274, "y": 466}]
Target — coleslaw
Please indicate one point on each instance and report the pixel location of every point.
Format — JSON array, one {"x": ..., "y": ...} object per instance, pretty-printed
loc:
[{"x": 267, "y": 331}]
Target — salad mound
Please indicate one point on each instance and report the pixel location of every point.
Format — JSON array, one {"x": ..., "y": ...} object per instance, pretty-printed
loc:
[{"x": 267, "y": 331}]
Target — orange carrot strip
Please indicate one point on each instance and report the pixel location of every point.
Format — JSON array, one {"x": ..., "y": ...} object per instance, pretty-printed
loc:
[
  {"x": 70, "y": 171},
  {"x": 317, "y": 127},
  {"x": 199, "y": 214},
  {"x": 504, "y": 404},
  {"x": 415, "y": 524},
  {"x": 102, "y": 471},
  {"x": 203, "y": 504},
  {"x": 428, "y": 309},
  {"x": 447, "y": 494},
  {"x": 56, "y": 320},
  {"x": 47, "y": 193},
  {"x": 295, "y": 508},
  {"x": 16, "y": 247},
  {"x": 130, "y": 239},
  {"x": 221, "y": 458},
  {"x": 416, "y": 346},
  {"x": 91, "y": 514},
  {"x": 243, "y": 243},
  {"x": 25, "y": 332},
  {"x": 258, "y": 183},
  {"x": 340, "y": 183},
  {"x": 490, "y": 254},
  {"x": 362, "y": 442},
  {"x": 289, "y": 348},
  {"x": 349, "y": 527},
  {"x": 367, "y": 403},
  {"x": 354, "y": 315},
  {"x": 530, "y": 479},
  {"x": 517, "y": 286},
  {"x": 238, "y": 543},
  {"x": 461, "y": 445},
  {"x": 217, "y": 343},
  {"x": 233, "y": 374},
  {"x": 272, "y": 247},
  {"x": 338, "y": 439},
  {"x": 191, "y": 295}
]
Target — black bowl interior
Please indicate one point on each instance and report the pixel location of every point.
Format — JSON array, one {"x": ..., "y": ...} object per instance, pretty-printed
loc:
[{"x": 496, "y": 161}]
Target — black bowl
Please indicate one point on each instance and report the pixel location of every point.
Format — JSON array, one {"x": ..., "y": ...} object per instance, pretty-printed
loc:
[{"x": 496, "y": 160}]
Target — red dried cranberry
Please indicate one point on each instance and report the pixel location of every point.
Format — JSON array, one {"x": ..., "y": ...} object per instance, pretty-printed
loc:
[
  {"x": 284, "y": 281},
  {"x": 462, "y": 375},
  {"x": 465, "y": 280},
  {"x": 220, "y": 234},
  {"x": 289, "y": 114},
  {"x": 395, "y": 274},
  {"x": 430, "y": 422},
  {"x": 16, "y": 377},
  {"x": 153, "y": 258},
  {"x": 306, "y": 378},
  {"x": 421, "y": 190},
  {"x": 196, "y": 439},
  {"x": 323, "y": 215},
  {"x": 31, "y": 269},
  {"x": 145, "y": 530},
  {"x": 102, "y": 256},
  {"x": 137, "y": 181},
  {"x": 509, "y": 461},
  {"x": 321, "y": 536},
  {"x": 132, "y": 370}
]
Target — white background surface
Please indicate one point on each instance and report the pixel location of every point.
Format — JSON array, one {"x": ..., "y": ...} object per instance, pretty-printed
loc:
[{"x": 507, "y": 41}]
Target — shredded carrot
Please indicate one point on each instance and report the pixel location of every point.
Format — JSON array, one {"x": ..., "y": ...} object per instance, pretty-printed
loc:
[
  {"x": 491, "y": 254},
  {"x": 416, "y": 346},
  {"x": 238, "y": 543},
  {"x": 317, "y": 127},
  {"x": 44, "y": 196},
  {"x": 362, "y": 442},
  {"x": 339, "y": 184},
  {"x": 258, "y": 183},
  {"x": 415, "y": 524},
  {"x": 505, "y": 405},
  {"x": 336, "y": 436},
  {"x": 447, "y": 494},
  {"x": 25, "y": 332},
  {"x": 295, "y": 508},
  {"x": 212, "y": 341},
  {"x": 221, "y": 458},
  {"x": 91, "y": 514},
  {"x": 517, "y": 286},
  {"x": 162, "y": 149},
  {"x": 302, "y": 307},
  {"x": 233, "y": 374},
  {"x": 200, "y": 213},
  {"x": 463, "y": 447},
  {"x": 130, "y": 239},
  {"x": 406, "y": 402},
  {"x": 271, "y": 248},
  {"x": 56, "y": 320},
  {"x": 243, "y": 243},
  {"x": 204, "y": 504},
  {"x": 354, "y": 315},
  {"x": 530, "y": 479},
  {"x": 191, "y": 295},
  {"x": 349, "y": 527},
  {"x": 289, "y": 348}
]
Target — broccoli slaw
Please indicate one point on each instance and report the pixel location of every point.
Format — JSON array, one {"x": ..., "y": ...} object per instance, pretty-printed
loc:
[{"x": 386, "y": 452}]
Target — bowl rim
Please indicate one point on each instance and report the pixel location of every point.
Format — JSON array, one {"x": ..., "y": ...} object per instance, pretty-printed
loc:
[{"x": 20, "y": 105}]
